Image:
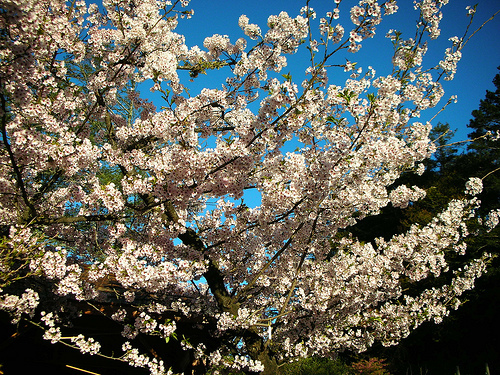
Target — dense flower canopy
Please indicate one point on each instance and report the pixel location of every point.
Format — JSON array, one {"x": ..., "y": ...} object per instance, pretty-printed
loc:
[{"x": 100, "y": 187}]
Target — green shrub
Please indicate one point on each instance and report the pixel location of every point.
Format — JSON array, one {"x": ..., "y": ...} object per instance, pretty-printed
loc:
[{"x": 316, "y": 366}]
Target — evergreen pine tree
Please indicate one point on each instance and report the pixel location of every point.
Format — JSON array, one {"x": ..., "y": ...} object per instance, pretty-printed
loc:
[{"x": 487, "y": 121}]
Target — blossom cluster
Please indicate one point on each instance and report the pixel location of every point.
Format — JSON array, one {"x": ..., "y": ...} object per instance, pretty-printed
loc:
[
  {"x": 474, "y": 186},
  {"x": 16, "y": 306},
  {"x": 244, "y": 320},
  {"x": 86, "y": 345},
  {"x": 238, "y": 363},
  {"x": 135, "y": 359}
]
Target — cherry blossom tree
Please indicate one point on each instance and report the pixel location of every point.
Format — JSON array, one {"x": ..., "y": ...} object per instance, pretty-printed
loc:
[{"x": 113, "y": 207}]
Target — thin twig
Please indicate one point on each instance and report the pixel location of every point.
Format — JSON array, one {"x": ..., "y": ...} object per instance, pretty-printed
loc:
[{"x": 480, "y": 27}]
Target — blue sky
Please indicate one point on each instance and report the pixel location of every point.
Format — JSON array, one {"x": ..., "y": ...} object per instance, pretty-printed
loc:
[{"x": 476, "y": 70}]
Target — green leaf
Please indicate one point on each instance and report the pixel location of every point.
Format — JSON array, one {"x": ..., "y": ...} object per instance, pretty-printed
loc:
[{"x": 287, "y": 77}]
